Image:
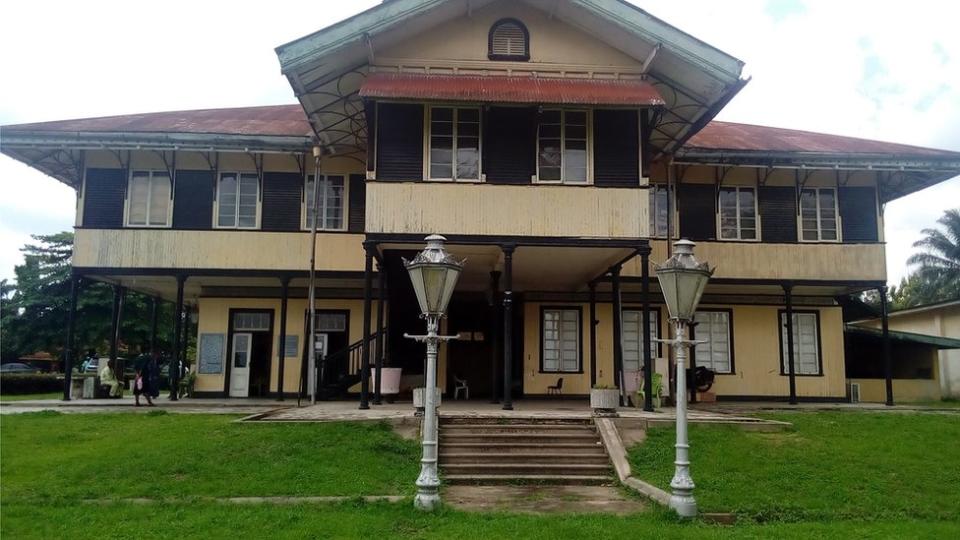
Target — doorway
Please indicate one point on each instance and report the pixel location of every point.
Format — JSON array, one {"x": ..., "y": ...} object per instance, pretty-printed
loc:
[
  {"x": 468, "y": 358},
  {"x": 250, "y": 344}
]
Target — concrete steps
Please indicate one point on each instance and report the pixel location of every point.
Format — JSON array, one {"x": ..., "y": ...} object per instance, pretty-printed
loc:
[{"x": 494, "y": 451}]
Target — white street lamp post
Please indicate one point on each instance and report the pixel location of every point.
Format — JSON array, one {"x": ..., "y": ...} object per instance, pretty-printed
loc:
[
  {"x": 682, "y": 280},
  {"x": 434, "y": 274}
]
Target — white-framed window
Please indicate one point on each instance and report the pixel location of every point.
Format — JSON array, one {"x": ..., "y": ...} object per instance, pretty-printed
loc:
[
  {"x": 455, "y": 143},
  {"x": 238, "y": 196},
  {"x": 818, "y": 215},
  {"x": 332, "y": 202},
  {"x": 738, "y": 213},
  {"x": 659, "y": 195},
  {"x": 251, "y": 321},
  {"x": 148, "y": 199},
  {"x": 632, "y": 331},
  {"x": 561, "y": 340},
  {"x": 562, "y": 147},
  {"x": 717, "y": 353},
  {"x": 806, "y": 344}
]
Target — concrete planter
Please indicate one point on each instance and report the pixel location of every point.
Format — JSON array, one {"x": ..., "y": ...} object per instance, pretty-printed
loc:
[
  {"x": 391, "y": 380},
  {"x": 604, "y": 401},
  {"x": 418, "y": 395}
]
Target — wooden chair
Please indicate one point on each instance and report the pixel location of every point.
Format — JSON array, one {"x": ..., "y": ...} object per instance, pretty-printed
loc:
[{"x": 556, "y": 389}]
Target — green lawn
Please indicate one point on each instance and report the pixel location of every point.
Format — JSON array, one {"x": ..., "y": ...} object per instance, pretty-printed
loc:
[
  {"x": 49, "y": 455},
  {"x": 831, "y": 466},
  {"x": 50, "y": 462},
  {"x": 24, "y": 397}
]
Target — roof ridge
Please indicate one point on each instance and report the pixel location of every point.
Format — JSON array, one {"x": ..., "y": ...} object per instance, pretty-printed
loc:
[{"x": 142, "y": 114}]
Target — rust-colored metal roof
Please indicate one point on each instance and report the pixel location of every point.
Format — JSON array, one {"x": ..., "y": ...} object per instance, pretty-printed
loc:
[
  {"x": 729, "y": 136},
  {"x": 276, "y": 120},
  {"x": 510, "y": 89},
  {"x": 290, "y": 121}
]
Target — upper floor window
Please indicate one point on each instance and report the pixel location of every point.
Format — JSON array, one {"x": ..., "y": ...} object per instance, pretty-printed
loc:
[
  {"x": 331, "y": 194},
  {"x": 818, "y": 215},
  {"x": 149, "y": 199},
  {"x": 562, "y": 147},
  {"x": 659, "y": 210},
  {"x": 738, "y": 213},
  {"x": 508, "y": 40},
  {"x": 237, "y": 197},
  {"x": 454, "y": 143}
]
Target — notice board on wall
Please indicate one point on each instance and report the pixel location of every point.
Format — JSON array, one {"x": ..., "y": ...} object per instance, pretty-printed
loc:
[{"x": 211, "y": 351}]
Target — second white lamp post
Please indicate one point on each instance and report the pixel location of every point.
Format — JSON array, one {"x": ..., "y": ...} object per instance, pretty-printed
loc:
[
  {"x": 434, "y": 274},
  {"x": 682, "y": 280}
]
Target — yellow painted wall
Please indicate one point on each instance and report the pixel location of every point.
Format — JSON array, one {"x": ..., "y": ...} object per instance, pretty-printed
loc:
[
  {"x": 214, "y": 318},
  {"x": 904, "y": 390},
  {"x": 782, "y": 261},
  {"x": 249, "y": 250},
  {"x": 756, "y": 354},
  {"x": 489, "y": 209},
  {"x": 465, "y": 38}
]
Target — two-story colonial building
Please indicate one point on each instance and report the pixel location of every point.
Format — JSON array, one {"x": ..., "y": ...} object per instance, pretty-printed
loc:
[{"x": 558, "y": 145}]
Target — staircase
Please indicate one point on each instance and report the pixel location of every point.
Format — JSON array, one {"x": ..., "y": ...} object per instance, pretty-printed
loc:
[{"x": 522, "y": 450}]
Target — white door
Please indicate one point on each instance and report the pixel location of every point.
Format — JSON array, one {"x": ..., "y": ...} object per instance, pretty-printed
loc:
[{"x": 240, "y": 367}]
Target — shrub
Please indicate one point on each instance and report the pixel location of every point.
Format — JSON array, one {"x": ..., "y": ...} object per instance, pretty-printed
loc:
[{"x": 29, "y": 383}]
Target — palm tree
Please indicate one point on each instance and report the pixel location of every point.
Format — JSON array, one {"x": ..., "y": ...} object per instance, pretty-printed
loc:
[{"x": 939, "y": 262}]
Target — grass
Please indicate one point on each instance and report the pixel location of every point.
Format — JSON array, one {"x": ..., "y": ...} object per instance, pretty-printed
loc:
[
  {"x": 49, "y": 462},
  {"x": 24, "y": 397},
  {"x": 831, "y": 466},
  {"x": 400, "y": 520},
  {"x": 48, "y": 455}
]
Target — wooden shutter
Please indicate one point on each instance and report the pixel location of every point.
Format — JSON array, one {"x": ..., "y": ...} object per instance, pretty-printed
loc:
[
  {"x": 193, "y": 200},
  {"x": 358, "y": 203},
  {"x": 510, "y": 145},
  {"x": 616, "y": 148},
  {"x": 104, "y": 198},
  {"x": 399, "y": 141},
  {"x": 778, "y": 213},
  {"x": 281, "y": 202},
  {"x": 698, "y": 213},
  {"x": 858, "y": 213}
]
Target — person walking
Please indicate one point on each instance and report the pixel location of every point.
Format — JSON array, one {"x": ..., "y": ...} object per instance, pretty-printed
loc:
[{"x": 145, "y": 381}]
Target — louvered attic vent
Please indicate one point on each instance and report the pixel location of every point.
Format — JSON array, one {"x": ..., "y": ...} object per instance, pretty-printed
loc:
[{"x": 509, "y": 40}]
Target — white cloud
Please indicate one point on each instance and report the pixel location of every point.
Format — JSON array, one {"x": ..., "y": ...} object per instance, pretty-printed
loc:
[{"x": 809, "y": 60}]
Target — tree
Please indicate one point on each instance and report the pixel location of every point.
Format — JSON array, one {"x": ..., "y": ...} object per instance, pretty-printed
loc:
[
  {"x": 35, "y": 310},
  {"x": 938, "y": 265}
]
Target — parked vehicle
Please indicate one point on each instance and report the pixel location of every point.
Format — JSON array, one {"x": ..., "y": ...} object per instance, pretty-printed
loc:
[{"x": 18, "y": 367}]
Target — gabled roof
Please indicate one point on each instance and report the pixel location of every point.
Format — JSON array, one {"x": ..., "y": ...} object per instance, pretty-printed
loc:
[{"x": 327, "y": 67}]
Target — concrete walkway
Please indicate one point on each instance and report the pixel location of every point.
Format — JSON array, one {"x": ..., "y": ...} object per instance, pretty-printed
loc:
[
  {"x": 127, "y": 405},
  {"x": 542, "y": 499}
]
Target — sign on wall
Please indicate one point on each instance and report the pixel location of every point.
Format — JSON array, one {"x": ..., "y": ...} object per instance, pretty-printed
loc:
[{"x": 211, "y": 351}]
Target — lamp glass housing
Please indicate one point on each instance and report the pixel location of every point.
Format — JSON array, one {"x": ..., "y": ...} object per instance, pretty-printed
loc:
[
  {"x": 682, "y": 281},
  {"x": 434, "y": 274}
]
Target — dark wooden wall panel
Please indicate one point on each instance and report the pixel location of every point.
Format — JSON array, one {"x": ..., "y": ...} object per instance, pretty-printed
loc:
[
  {"x": 103, "y": 198},
  {"x": 616, "y": 148},
  {"x": 356, "y": 216},
  {"x": 193, "y": 200},
  {"x": 698, "y": 213},
  {"x": 778, "y": 213},
  {"x": 510, "y": 145},
  {"x": 858, "y": 211},
  {"x": 281, "y": 203},
  {"x": 399, "y": 141}
]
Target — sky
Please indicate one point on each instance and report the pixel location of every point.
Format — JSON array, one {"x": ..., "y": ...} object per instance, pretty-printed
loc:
[{"x": 876, "y": 69}]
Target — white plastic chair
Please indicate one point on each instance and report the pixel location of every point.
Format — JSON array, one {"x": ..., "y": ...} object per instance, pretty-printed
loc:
[{"x": 461, "y": 384}]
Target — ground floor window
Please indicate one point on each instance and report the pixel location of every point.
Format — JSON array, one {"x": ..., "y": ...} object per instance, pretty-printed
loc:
[
  {"x": 560, "y": 340},
  {"x": 806, "y": 343},
  {"x": 717, "y": 353},
  {"x": 633, "y": 338}
]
